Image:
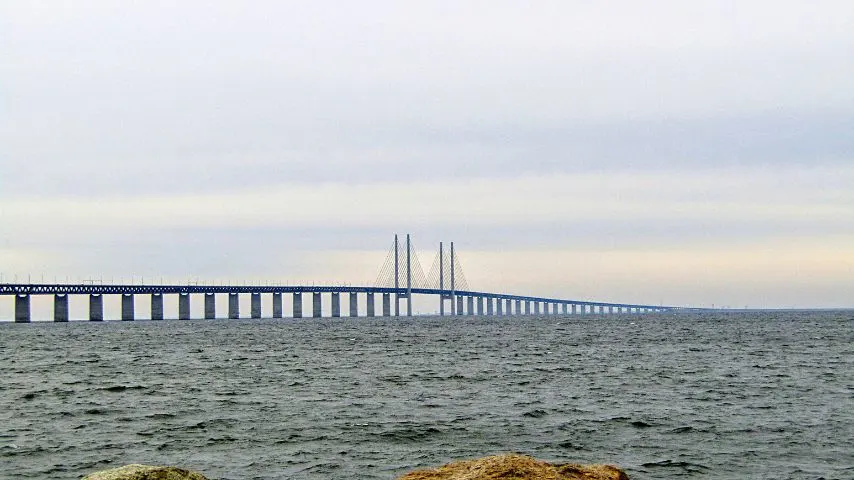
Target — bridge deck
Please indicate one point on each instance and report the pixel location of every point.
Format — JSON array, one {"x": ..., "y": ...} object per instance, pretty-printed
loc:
[{"x": 93, "y": 289}]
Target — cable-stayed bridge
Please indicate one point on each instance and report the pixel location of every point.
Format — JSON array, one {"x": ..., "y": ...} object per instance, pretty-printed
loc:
[{"x": 400, "y": 277}]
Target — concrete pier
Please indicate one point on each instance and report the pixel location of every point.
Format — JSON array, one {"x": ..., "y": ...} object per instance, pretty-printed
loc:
[
  {"x": 60, "y": 308},
  {"x": 255, "y": 305},
  {"x": 157, "y": 306},
  {"x": 127, "y": 307},
  {"x": 574, "y": 309},
  {"x": 96, "y": 308},
  {"x": 183, "y": 306},
  {"x": 233, "y": 306},
  {"x": 371, "y": 305},
  {"x": 277, "y": 304},
  {"x": 297, "y": 305},
  {"x": 386, "y": 304},
  {"x": 354, "y": 304},
  {"x": 480, "y": 306},
  {"x": 518, "y": 310},
  {"x": 460, "y": 310},
  {"x": 397, "y": 298},
  {"x": 22, "y": 309},
  {"x": 336, "y": 304},
  {"x": 316, "y": 308},
  {"x": 470, "y": 309},
  {"x": 490, "y": 306},
  {"x": 499, "y": 306},
  {"x": 210, "y": 306}
]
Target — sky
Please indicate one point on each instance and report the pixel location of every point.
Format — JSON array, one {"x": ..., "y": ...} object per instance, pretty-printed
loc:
[{"x": 686, "y": 153}]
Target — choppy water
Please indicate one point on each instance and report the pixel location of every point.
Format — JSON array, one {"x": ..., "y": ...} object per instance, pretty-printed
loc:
[{"x": 758, "y": 395}]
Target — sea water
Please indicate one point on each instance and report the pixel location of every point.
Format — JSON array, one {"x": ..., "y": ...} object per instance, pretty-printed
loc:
[{"x": 665, "y": 396}]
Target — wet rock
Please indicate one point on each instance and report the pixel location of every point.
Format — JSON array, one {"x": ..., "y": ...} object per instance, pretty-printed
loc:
[
  {"x": 145, "y": 472},
  {"x": 516, "y": 467}
]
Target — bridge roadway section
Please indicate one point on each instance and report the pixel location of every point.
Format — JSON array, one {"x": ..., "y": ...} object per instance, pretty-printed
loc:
[{"x": 461, "y": 302}]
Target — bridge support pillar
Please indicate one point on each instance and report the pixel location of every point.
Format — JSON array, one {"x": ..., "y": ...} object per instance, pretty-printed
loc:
[
  {"x": 22, "y": 308},
  {"x": 336, "y": 304},
  {"x": 371, "y": 305},
  {"x": 127, "y": 307},
  {"x": 316, "y": 307},
  {"x": 527, "y": 307},
  {"x": 96, "y": 308},
  {"x": 297, "y": 304},
  {"x": 574, "y": 308},
  {"x": 499, "y": 306},
  {"x": 480, "y": 306},
  {"x": 518, "y": 309},
  {"x": 470, "y": 310},
  {"x": 386, "y": 304},
  {"x": 233, "y": 306},
  {"x": 157, "y": 306},
  {"x": 460, "y": 310},
  {"x": 564, "y": 308},
  {"x": 60, "y": 308},
  {"x": 277, "y": 304},
  {"x": 183, "y": 306},
  {"x": 255, "y": 305},
  {"x": 354, "y": 304},
  {"x": 210, "y": 306},
  {"x": 490, "y": 306}
]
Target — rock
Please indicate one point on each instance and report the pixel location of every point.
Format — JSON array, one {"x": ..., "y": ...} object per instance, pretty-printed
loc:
[
  {"x": 516, "y": 467},
  {"x": 145, "y": 472}
]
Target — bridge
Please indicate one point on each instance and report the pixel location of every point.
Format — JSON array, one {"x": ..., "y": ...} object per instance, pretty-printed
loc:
[{"x": 400, "y": 277}]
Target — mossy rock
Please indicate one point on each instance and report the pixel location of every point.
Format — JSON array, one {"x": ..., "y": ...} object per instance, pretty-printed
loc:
[
  {"x": 516, "y": 467},
  {"x": 145, "y": 472}
]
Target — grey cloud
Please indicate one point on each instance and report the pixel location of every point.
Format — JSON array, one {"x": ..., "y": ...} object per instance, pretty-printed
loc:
[{"x": 106, "y": 99}]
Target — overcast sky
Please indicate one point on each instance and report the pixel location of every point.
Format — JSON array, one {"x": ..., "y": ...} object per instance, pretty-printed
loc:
[{"x": 690, "y": 153}]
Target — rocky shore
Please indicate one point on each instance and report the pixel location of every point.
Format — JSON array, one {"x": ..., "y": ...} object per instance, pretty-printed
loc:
[
  {"x": 516, "y": 467},
  {"x": 497, "y": 467}
]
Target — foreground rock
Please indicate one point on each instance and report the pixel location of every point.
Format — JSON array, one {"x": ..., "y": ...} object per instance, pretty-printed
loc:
[
  {"x": 516, "y": 467},
  {"x": 145, "y": 472}
]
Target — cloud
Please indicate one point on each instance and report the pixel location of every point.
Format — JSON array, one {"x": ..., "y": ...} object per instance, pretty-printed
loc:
[{"x": 189, "y": 98}]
